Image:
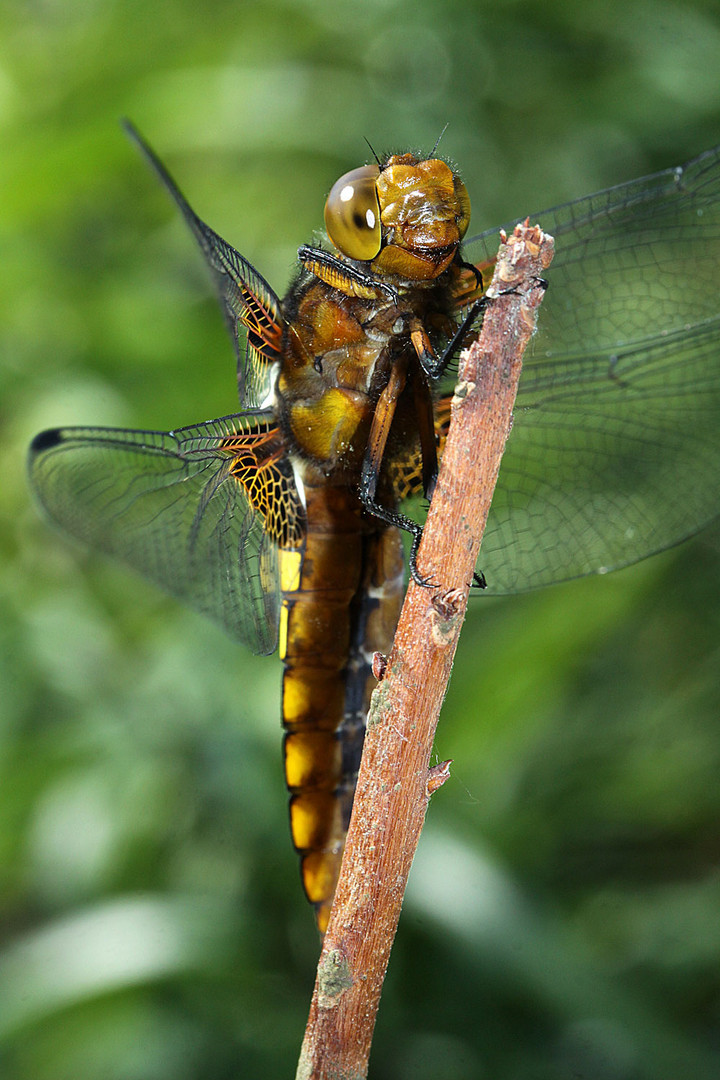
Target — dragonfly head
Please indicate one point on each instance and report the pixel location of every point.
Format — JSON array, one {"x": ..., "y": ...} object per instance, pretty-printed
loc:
[{"x": 406, "y": 217}]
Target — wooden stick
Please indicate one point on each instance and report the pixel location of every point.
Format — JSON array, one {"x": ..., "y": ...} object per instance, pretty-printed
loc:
[{"x": 395, "y": 780}]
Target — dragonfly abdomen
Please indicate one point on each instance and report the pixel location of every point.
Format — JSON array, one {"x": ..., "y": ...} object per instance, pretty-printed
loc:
[{"x": 341, "y": 601}]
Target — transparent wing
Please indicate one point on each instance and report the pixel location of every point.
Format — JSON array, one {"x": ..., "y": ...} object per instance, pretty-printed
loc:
[
  {"x": 251, "y": 308},
  {"x": 199, "y": 511},
  {"x": 615, "y": 448}
]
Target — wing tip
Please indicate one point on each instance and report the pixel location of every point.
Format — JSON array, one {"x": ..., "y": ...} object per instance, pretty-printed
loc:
[{"x": 46, "y": 440}]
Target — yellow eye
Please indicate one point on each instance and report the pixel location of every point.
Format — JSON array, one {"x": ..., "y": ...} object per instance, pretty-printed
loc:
[{"x": 352, "y": 214}]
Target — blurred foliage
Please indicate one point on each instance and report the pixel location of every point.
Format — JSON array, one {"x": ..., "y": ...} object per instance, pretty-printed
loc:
[{"x": 562, "y": 916}]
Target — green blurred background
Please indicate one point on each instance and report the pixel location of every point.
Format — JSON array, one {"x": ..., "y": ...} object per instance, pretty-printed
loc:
[{"x": 562, "y": 919}]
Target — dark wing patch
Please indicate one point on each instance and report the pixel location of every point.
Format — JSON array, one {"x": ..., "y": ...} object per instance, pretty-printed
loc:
[{"x": 171, "y": 506}]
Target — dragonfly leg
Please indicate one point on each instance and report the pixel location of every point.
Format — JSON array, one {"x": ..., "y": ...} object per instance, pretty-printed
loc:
[
  {"x": 435, "y": 366},
  {"x": 372, "y": 462},
  {"x": 343, "y": 276}
]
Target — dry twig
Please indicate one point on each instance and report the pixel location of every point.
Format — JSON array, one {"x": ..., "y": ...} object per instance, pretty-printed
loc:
[{"x": 395, "y": 782}]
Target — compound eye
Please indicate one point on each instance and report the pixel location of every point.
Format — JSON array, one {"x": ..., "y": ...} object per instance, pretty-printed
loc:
[{"x": 352, "y": 214}]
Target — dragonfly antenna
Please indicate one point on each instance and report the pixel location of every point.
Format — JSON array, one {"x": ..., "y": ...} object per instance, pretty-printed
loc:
[
  {"x": 437, "y": 143},
  {"x": 377, "y": 159}
]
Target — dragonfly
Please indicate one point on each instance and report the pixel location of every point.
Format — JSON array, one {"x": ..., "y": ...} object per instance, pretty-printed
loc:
[{"x": 284, "y": 521}]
